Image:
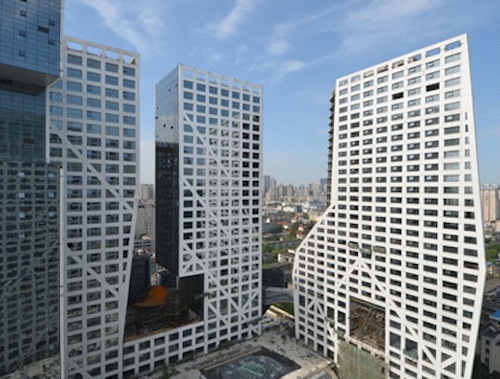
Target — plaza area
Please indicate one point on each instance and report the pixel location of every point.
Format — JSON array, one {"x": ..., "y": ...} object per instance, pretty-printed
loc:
[{"x": 275, "y": 354}]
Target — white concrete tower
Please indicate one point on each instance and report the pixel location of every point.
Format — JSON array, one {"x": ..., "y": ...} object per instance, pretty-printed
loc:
[
  {"x": 389, "y": 282},
  {"x": 94, "y": 133},
  {"x": 208, "y": 219}
]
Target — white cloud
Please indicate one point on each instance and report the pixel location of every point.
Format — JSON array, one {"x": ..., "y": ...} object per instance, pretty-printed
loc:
[
  {"x": 278, "y": 46},
  {"x": 379, "y": 12},
  {"x": 149, "y": 17},
  {"x": 138, "y": 23},
  {"x": 229, "y": 24},
  {"x": 277, "y": 69},
  {"x": 354, "y": 27},
  {"x": 380, "y": 22},
  {"x": 279, "y": 42},
  {"x": 292, "y": 66}
]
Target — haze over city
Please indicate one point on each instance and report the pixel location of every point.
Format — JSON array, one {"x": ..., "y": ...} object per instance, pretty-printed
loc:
[{"x": 296, "y": 50}]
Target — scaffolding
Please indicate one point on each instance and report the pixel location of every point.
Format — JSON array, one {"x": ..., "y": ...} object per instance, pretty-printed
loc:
[
  {"x": 357, "y": 363},
  {"x": 367, "y": 324}
]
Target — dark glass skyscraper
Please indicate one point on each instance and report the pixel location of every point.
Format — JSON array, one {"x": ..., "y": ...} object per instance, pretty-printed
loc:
[{"x": 29, "y": 199}]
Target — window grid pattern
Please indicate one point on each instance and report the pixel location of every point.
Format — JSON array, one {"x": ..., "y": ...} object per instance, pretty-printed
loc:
[
  {"x": 94, "y": 137},
  {"x": 31, "y": 33},
  {"x": 29, "y": 263},
  {"x": 403, "y": 231},
  {"x": 215, "y": 124},
  {"x": 29, "y": 187}
]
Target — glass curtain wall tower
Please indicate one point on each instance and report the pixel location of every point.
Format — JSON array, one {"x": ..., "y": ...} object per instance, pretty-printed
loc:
[
  {"x": 389, "y": 282},
  {"x": 29, "y": 201}
]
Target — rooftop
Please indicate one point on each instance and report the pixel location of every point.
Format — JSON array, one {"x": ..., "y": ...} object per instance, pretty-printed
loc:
[
  {"x": 277, "y": 338},
  {"x": 495, "y": 316}
]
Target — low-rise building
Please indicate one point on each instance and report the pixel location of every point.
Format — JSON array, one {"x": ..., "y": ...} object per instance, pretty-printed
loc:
[{"x": 488, "y": 341}]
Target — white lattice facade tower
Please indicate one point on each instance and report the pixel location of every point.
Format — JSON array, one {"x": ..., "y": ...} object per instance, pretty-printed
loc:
[
  {"x": 94, "y": 131},
  {"x": 208, "y": 216},
  {"x": 391, "y": 277}
]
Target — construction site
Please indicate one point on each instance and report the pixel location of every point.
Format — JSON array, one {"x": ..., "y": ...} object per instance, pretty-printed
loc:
[
  {"x": 357, "y": 363},
  {"x": 361, "y": 354},
  {"x": 164, "y": 306},
  {"x": 367, "y": 324}
]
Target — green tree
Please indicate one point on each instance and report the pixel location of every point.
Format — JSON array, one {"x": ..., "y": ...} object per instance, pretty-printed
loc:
[{"x": 492, "y": 252}]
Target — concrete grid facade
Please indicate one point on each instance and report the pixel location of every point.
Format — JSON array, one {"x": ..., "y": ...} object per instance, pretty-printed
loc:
[
  {"x": 395, "y": 266},
  {"x": 208, "y": 201},
  {"x": 94, "y": 133}
]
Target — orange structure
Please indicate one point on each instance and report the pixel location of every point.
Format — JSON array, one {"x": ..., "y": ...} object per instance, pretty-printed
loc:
[{"x": 156, "y": 297}]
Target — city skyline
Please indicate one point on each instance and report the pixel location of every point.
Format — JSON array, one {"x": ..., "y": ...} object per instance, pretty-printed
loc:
[
  {"x": 296, "y": 51},
  {"x": 400, "y": 143}
]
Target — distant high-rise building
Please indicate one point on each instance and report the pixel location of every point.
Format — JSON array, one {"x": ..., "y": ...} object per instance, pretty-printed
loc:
[
  {"x": 147, "y": 192},
  {"x": 273, "y": 183},
  {"x": 267, "y": 183},
  {"x": 208, "y": 217},
  {"x": 145, "y": 225},
  {"x": 29, "y": 186},
  {"x": 490, "y": 202},
  {"x": 324, "y": 184},
  {"x": 94, "y": 131},
  {"x": 389, "y": 282}
]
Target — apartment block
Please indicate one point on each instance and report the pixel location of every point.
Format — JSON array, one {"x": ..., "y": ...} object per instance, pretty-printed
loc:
[
  {"x": 29, "y": 198},
  {"x": 94, "y": 132},
  {"x": 145, "y": 221},
  {"x": 208, "y": 221},
  {"x": 490, "y": 200},
  {"x": 389, "y": 282},
  {"x": 147, "y": 192}
]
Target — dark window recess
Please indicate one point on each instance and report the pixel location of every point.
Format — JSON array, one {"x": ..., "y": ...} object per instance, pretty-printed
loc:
[
  {"x": 432, "y": 87},
  {"x": 43, "y": 29},
  {"x": 397, "y": 95}
]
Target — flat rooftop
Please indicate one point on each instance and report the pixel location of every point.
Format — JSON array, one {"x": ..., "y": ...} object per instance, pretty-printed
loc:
[{"x": 277, "y": 339}]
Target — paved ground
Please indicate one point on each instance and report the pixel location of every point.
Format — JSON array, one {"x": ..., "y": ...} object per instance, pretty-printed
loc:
[{"x": 277, "y": 337}]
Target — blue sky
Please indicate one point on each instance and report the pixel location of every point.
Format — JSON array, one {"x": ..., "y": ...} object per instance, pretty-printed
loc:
[{"x": 296, "y": 49}]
